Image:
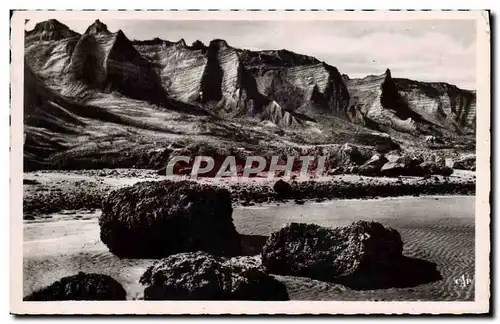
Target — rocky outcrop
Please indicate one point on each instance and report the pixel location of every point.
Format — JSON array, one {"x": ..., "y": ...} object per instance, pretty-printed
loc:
[
  {"x": 213, "y": 76},
  {"x": 83, "y": 286},
  {"x": 441, "y": 103},
  {"x": 297, "y": 82},
  {"x": 363, "y": 255},
  {"x": 276, "y": 85},
  {"x": 109, "y": 62},
  {"x": 464, "y": 163},
  {"x": 373, "y": 166},
  {"x": 417, "y": 108},
  {"x": 97, "y": 28},
  {"x": 262, "y": 101},
  {"x": 50, "y": 30},
  {"x": 201, "y": 276},
  {"x": 330, "y": 254},
  {"x": 45, "y": 112},
  {"x": 160, "y": 218}
]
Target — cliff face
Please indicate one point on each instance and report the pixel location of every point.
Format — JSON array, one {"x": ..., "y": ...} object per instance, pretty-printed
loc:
[
  {"x": 213, "y": 77},
  {"x": 288, "y": 89},
  {"x": 411, "y": 107},
  {"x": 441, "y": 103},
  {"x": 109, "y": 62},
  {"x": 297, "y": 82}
]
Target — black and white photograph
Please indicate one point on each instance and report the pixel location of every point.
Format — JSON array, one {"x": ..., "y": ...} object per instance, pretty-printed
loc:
[{"x": 166, "y": 157}]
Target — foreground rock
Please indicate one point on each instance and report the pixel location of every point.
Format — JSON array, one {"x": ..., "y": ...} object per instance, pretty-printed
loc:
[
  {"x": 159, "y": 218},
  {"x": 201, "y": 276},
  {"x": 83, "y": 286},
  {"x": 350, "y": 254}
]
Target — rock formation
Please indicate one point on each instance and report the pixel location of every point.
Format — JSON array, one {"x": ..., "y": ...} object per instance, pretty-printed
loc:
[
  {"x": 213, "y": 76},
  {"x": 201, "y": 276},
  {"x": 277, "y": 85},
  {"x": 50, "y": 30},
  {"x": 264, "y": 101},
  {"x": 297, "y": 82},
  {"x": 283, "y": 189},
  {"x": 159, "y": 218},
  {"x": 412, "y": 107},
  {"x": 109, "y": 62},
  {"x": 330, "y": 254},
  {"x": 464, "y": 163},
  {"x": 83, "y": 286}
]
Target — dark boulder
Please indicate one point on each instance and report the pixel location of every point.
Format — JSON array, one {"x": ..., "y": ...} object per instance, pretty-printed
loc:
[
  {"x": 201, "y": 276},
  {"x": 410, "y": 161},
  {"x": 350, "y": 155},
  {"x": 392, "y": 169},
  {"x": 373, "y": 165},
  {"x": 368, "y": 170},
  {"x": 283, "y": 189},
  {"x": 343, "y": 254},
  {"x": 465, "y": 163},
  {"x": 158, "y": 218},
  {"x": 404, "y": 166},
  {"x": 377, "y": 160},
  {"x": 83, "y": 286},
  {"x": 431, "y": 168}
]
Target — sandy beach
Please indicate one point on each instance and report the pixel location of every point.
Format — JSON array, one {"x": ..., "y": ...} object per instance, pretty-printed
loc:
[{"x": 436, "y": 229}]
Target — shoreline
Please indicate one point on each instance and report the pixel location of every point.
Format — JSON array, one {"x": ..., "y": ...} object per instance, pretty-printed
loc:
[
  {"x": 51, "y": 191},
  {"x": 442, "y": 237}
]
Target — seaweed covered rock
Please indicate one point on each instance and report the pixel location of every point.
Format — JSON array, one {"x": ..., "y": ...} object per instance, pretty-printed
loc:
[
  {"x": 332, "y": 254},
  {"x": 158, "y": 218},
  {"x": 201, "y": 276},
  {"x": 283, "y": 189},
  {"x": 83, "y": 286}
]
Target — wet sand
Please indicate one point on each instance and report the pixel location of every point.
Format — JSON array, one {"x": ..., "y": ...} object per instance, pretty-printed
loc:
[{"x": 436, "y": 229}]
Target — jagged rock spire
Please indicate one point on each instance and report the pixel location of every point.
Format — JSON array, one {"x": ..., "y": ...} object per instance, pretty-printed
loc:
[
  {"x": 98, "y": 27},
  {"x": 181, "y": 43}
]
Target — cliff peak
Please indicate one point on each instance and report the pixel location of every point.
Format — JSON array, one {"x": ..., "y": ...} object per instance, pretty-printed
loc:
[
  {"x": 388, "y": 73},
  {"x": 197, "y": 44},
  {"x": 218, "y": 43},
  {"x": 154, "y": 41},
  {"x": 180, "y": 43},
  {"x": 98, "y": 27},
  {"x": 52, "y": 29}
]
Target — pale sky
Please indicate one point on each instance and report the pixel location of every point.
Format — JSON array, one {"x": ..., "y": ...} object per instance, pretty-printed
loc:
[{"x": 424, "y": 50}]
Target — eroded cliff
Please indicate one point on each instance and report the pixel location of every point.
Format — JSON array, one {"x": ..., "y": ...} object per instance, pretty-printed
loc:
[
  {"x": 411, "y": 107},
  {"x": 99, "y": 85}
]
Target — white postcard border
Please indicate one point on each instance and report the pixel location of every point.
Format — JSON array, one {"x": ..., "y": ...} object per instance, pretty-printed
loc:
[{"x": 482, "y": 228}]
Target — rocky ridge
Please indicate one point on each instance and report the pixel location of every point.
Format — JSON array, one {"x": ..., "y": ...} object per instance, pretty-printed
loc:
[{"x": 294, "y": 98}]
